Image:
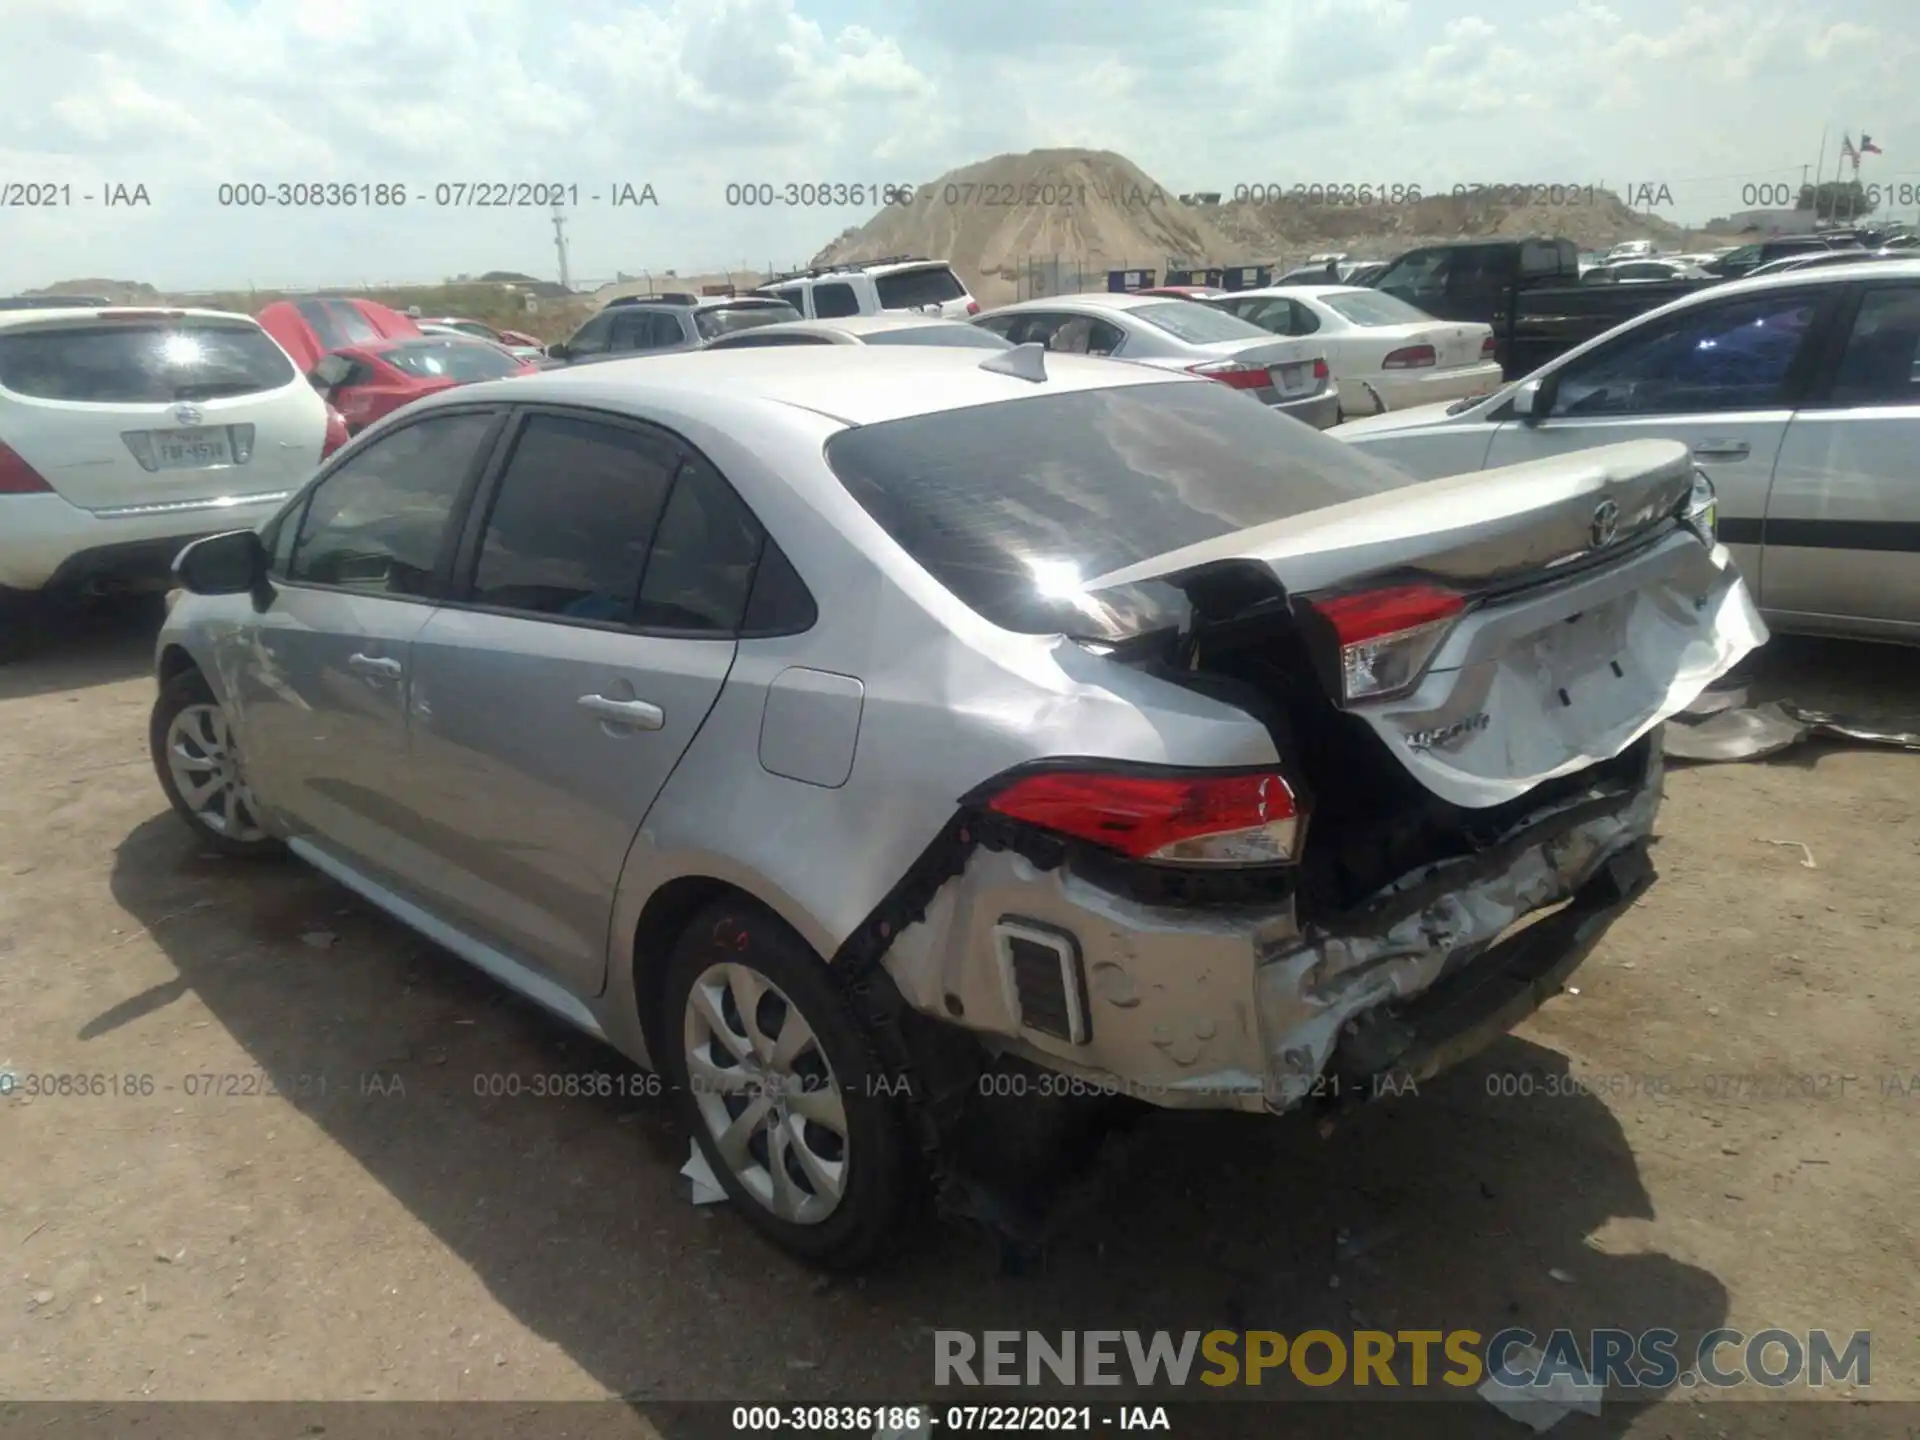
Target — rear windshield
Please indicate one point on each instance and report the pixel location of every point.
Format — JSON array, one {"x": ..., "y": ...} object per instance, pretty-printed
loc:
[
  {"x": 451, "y": 359},
  {"x": 139, "y": 362},
  {"x": 909, "y": 289},
  {"x": 713, "y": 321},
  {"x": 967, "y": 336},
  {"x": 1198, "y": 324},
  {"x": 1374, "y": 307},
  {"x": 1011, "y": 506}
]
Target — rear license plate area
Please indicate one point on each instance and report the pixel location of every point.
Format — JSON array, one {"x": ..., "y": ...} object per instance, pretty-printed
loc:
[
  {"x": 198, "y": 448},
  {"x": 1581, "y": 660},
  {"x": 1291, "y": 380}
]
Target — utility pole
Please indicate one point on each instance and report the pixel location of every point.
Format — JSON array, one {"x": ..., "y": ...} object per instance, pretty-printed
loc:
[{"x": 560, "y": 244}]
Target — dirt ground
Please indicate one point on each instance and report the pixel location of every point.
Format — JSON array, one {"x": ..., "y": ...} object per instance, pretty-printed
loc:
[{"x": 379, "y": 1230}]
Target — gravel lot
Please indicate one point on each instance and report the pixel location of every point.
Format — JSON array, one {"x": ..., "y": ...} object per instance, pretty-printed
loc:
[{"x": 378, "y": 1230}]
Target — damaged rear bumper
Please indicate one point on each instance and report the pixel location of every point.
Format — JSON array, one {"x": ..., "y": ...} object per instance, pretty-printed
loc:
[{"x": 1247, "y": 1007}]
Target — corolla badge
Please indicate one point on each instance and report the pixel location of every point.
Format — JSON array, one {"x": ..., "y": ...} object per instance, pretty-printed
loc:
[
  {"x": 1422, "y": 740},
  {"x": 187, "y": 414},
  {"x": 1606, "y": 523}
]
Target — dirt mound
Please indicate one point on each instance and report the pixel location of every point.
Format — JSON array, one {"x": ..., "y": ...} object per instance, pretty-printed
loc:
[{"x": 1091, "y": 209}]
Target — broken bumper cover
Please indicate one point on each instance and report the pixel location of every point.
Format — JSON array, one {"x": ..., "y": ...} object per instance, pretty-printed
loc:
[{"x": 1246, "y": 1009}]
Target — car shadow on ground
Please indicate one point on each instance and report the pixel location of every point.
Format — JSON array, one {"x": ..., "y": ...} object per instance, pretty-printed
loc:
[
  {"x": 46, "y": 648},
  {"x": 1465, "y": 1206}
]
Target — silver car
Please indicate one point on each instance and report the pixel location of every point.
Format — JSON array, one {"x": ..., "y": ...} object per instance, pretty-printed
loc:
[
  {"x": 868, "y": 741},
  {"x": 1798, "y": 393},
  {"x": 1185, "y": 335}
]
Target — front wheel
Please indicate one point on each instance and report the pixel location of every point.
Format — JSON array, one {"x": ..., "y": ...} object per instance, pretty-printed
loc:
[
  {"x": 775, "y": 1078},
  {"x": 197, "y": 758}
]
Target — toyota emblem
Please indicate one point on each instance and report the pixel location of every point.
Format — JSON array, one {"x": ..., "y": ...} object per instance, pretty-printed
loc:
[
  {"x": 187, "y": 414},
  {"x": 1606, "y": 523}
]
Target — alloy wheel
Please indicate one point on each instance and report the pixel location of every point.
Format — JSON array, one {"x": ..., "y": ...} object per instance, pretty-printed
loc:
[{"x": 204, "y": 762}]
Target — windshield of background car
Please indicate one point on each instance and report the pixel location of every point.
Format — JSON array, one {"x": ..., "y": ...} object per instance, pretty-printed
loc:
[
  {"x": 968, "y": 336},
  {"x": 451, "y": 359},
  {"x": 137, "y": 362},
  {"x": 716, "y": 320},
  {"x": 1197, "y": 324},
  {"x": 1371, "y": 307},
  {"x": 1011, "y": 506}
]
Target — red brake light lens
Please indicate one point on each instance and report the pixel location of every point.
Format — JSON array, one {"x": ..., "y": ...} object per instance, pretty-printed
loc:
[
  {"x": 1488, "y": 347},
  {"x": 1411, "y": 357},
  {"x": 1190, "y": 818},
  {"x": 1388, "y": 636},
  {"x": 17, "y": 477},
  {"x": 336, "y": 435},
  {"x": 973, "y": 307},
  {"x": 1235, "y": 373},
  {"x": 1320, "y": 371}
]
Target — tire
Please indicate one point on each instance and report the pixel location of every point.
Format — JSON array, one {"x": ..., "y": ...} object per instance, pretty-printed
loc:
[
  {"x": 188, "y": 736},
  {"x": 725, "y": 952}
]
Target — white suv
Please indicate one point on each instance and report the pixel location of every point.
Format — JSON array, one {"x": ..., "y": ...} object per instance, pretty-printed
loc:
[
  {"x": 125, "y": 433},
  {"x": 901, "y": 282}
]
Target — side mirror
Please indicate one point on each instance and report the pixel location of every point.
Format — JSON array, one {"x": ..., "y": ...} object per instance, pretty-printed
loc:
[
  {"x": 1529, "y": 403},
  {"x": 557, "y": 350},
  {"x": 233, "y": 563}
]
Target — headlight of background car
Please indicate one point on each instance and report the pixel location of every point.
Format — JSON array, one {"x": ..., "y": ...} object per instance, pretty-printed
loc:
[{"x": 1703, "y": 509}]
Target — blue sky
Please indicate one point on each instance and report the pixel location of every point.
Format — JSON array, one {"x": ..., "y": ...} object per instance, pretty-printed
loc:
[{"x": 1710, "y": 101}]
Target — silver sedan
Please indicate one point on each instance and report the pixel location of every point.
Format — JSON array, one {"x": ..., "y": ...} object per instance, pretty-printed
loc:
[
  {"x": 1290, "y": 375},
  {"x": 890, "y": 749}
]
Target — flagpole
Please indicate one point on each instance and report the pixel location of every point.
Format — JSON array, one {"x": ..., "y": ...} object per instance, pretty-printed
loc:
[{"x": 1819, "y": 169}]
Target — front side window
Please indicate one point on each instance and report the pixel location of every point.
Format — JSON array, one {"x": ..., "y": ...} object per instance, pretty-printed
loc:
[
  {"x": 450, "y": 359},
  {"x": 1732, "y": 356},
  {"x": 593, "y": 337},
  {"x": 378, "y": 523},
  {"x": 572, "y": 518}
]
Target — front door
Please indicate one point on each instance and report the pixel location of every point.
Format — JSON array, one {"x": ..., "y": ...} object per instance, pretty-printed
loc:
[
  {"x": 1721, "y": 377},
  {"x": 1842, "y": 542}
]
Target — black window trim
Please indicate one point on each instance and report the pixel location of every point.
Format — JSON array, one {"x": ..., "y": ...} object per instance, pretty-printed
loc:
[
  {"x": 464, "y": 562},
  {"x": 295, "y": 511},
  {"x": 1795, "y": 387}
]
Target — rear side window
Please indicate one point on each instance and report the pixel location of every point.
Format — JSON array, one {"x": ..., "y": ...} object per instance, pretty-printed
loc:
[
  {"x": 701, "y": 569},
  {"x": 137, "y": 363},
  {"x": 1881, "y": 365},
  {"x": 713, "y": 321},
  {"x": 378, "y": 522},
  {"x": 1012, "y": 506},
  {"x": 909, "y": 289},
  {"x": 833, "y": 299},
  {"x": 575, "y": 512}
]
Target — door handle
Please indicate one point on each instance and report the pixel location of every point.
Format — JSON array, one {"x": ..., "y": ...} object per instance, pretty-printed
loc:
[
  {"x": 637, "y": 713},
  {"x": 1722, "y": 450},
  {"x": 374, "y": 665}
]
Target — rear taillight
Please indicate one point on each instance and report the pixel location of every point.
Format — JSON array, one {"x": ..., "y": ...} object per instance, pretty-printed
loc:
[
  {"x": 1388, "y": 636},
  {"x": 336, "y": 435},
  {"x": 17, "y": 477},
  {"x": 1411, "y": 357},
  {"x": 1488, "y": 347},
  {"x": 973, "y": 307},
  {"x": 1320, "y": 370},
  {"x": 1179, "y": 817},
  {"x": 1237, "y": 373}
]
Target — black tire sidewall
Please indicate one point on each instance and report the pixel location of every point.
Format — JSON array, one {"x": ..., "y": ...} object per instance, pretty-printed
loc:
[
  {"x": 866, "y": 1224},
  {"x": 190, "y": 688}
]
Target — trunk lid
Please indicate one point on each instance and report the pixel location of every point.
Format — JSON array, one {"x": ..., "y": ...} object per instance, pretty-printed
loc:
[
  {"x": 1589, "y": 618},
  {"x": 1289, "y": 363},
  {"x": 1455, "y": 346}
]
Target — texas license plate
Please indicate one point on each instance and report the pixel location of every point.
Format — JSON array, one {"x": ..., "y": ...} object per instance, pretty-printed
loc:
[{"x": 195, "y": 449}]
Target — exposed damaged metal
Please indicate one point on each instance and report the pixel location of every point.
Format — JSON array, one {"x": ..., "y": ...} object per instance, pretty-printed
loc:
[{"x": 1743, "y": 732}]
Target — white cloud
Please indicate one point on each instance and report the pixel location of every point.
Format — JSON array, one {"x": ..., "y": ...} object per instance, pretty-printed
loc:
[{"x": 182, "y": 95}]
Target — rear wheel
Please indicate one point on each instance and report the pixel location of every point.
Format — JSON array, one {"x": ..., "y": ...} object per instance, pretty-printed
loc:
[
  {"x": 197, "y": 758},
  {"x": 777, "y": 1082}
]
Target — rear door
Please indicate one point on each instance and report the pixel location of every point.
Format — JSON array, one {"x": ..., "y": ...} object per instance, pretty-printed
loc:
[
  {"x": 1722, "y": 377},
  {"x": 1842, "y": 539},
  {"x": 601, "y": 587},
  {"x": 321, "y": 688},
  {"x": 147, "y": 409}
]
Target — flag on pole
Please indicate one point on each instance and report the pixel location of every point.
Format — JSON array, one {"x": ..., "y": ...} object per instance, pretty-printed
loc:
[{"x": 1867, "y": 147}]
